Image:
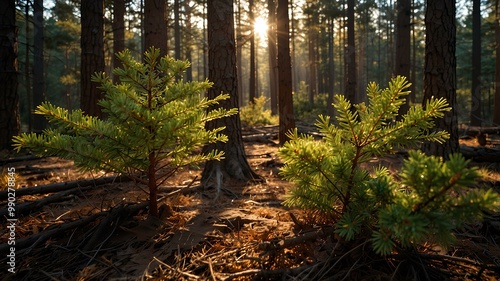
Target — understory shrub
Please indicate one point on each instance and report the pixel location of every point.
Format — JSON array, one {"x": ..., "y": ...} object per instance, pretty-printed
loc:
[
  {"x": 424, "y": 203},
  {"x": 155, "y": 122},
  {"x": 255, "y": 113}
]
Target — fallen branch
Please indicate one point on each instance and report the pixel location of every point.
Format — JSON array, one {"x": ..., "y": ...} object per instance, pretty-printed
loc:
[
  {"x": 480, "y": 154},
  {"x": 290, "y": 242},
  {"x": 27, "y": 207},
  {"x": 34, "y": 240},
  {"x": 262, "y": 138},
  {"x": 56, "y": 187},
  {"x": 19, "y": 159}
]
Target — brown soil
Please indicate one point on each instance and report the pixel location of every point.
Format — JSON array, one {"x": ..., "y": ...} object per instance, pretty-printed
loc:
[{"x": 242, "y": 232}]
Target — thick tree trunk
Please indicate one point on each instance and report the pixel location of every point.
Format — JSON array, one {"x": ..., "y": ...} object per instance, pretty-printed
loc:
[
  {"x": 476, "y": 107},
  {"x": 222, "y": 72},
  {"x": 39, "y": 122},
  {"x": 331, "y": 63},
  {"x": 350, "y": 55},
  {"x": 177, "y": 30},
  {"x": 9, "y": 98},
  {"x": 496, "y": 111},
  {"x": 118, "y": 32},
  {"x": 440, "y": 70},
  {"x": 286, "y": 117},
  {"x": 402, "y": 65},
  {"x": 188, "y": 39},
  {"x": 252, "y": 90},
  {"x": 155, "y": 25},
  {"x": 312, "y": 43},
  {"x": 92, "y": 43},
  {"x": 273, "y": 56}
]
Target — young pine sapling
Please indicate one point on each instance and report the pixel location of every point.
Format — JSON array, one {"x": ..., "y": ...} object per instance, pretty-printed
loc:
[
  {"x": 154, "y": 125},
  {"x": 430, "y": 199}
]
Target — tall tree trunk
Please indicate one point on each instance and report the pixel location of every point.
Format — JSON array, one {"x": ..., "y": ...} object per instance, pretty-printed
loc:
[
  {"x": 188, "y": 39},
  {"x": 496, "y": 111},
  {"x": 9, "y": 98},
  {"x": 475, "y": 110},
  {"x": 440, "y": 70},
  {"x": 155, "y": 25},
  {"x": 92, "y": 44},
  {"x": 273, "y": 57},
  {"x": 252, "y": 93},
  {"x": 39, "y": 122},
  {"x": 177, "y": 30},
  {"x": 239, "y": 54},
  {"x": 295, "y": 75},
  {"x": 286, "y": 117},
  {"x": 413, "y": 64},
  {"x": 350, "y": 55},
  {"x": 331, "y": 64},
  {"x": 27, "y": 65},
  {"x": 312, "y": 40},
  {"x": 118, "y": 32},
  {"x": 222, "y": 72},
  {"x": 402, "y": 65}
]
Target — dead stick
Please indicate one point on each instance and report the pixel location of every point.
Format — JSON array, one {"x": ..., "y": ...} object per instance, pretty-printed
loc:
[
  {"x": 27, "y": 207},
  {"x": 56, "y": 187},
  {"x": 34, "y": 240}
]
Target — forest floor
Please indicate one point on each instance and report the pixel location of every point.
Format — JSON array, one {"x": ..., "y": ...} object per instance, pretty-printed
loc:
[{"x": 85, "y": 230}]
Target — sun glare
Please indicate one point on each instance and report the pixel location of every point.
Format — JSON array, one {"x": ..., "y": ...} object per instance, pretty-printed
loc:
[{"x": 260, "y": 27}]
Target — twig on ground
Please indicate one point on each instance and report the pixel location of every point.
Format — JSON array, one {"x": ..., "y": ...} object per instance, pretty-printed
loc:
[{"x": 187, "y": 274}]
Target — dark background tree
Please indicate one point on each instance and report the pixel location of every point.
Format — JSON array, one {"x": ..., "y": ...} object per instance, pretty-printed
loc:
[
  {"x": 476, "y": 108},
  {"x": 39, "y": 122},
  {"x": 285, "y": 101},
  {"x": 92, "y": 44},
  {"x": 351, "y": 78},
  {"x": 118, "y": 31},
  {"x": 403, "y": 43},
  {"x": 440, "y": 70},
  {"x": 155, "y": 25},
  {"x": 9, "y": 105},
  {"x": 222, "y": 72},
  {"x": 496, "y": 111},
  {"x": 273, "y": 56}
]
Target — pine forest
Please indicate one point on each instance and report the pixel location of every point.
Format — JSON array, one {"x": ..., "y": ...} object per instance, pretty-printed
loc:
[{"x": 250, "y": 140}]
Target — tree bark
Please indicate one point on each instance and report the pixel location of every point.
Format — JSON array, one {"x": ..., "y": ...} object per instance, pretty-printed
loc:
[
  {"x": 440, "y": 70},
  {"x": 92, "y": 44},
  {"x": 475, "y": 109},
  {"x": 331, "y": 63},
  {"x": 177, "y": 30},
  {"x": 155, "y": 25},
  {"x": 286, "y": 116},
  {"x": 9, "y": 98},
  {"x": 312, "y": 43},
  {"x": 39, "y": 122},
  {"x": 252, "y": 90},
  {"x": 350, "y": 55},
  {"x": 222, "y": 72},
  {"x": 273, "y": 56},
  {"x": 188, "y": 39},
  {"x": 403, "y": 29},
  {"x": 118, "y": 32},
  {"x": 496, "y": 111}
]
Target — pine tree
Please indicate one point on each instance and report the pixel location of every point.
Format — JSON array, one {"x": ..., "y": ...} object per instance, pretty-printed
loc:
[
  {"x": 431, "y": 198},
  {"x": 154, "y": 124}
]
